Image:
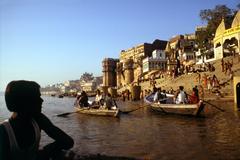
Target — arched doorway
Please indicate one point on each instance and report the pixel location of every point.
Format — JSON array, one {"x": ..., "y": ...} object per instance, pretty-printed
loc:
[{"x": 230, "y": 47}]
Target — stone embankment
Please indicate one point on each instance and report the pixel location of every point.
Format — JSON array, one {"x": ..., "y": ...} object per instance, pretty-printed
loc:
[{"x": 190, "y": 80}]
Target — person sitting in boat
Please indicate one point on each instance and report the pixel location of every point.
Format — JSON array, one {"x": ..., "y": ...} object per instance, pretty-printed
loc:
[
  {"x": 98, "y": 99},
  {"x": 164, "y": 97},
  {"x": 193, "y": 98},
  {"x": 77, "y": 99},
  {"x": 181, "y": 97},
  {"x": 109, "y": 102},
  {"x": 158, "y": 95},
  {"x": 83, "y": 100}
]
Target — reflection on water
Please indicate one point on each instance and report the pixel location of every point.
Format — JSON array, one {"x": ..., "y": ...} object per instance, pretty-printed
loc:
[{"x": 144, "y": 134}]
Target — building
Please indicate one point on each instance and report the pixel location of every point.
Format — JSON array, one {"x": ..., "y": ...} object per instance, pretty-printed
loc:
[
  {"x": 130, "y": 64},
  {"x": 158, "y": 61},
  {"x": 89, "y": 86},
  {"x": 226, "y": 40},
  {"x": 183, "y": 47},
  {"x": 109, "y": 66}
]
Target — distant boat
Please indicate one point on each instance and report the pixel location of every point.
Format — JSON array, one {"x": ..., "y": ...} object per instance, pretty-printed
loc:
[
  {"x": 60, "y": 96},
  {"x": 53, "y": 95}
]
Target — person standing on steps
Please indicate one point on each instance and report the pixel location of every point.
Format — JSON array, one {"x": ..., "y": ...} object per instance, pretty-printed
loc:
[{"x": 20, "y": 134}]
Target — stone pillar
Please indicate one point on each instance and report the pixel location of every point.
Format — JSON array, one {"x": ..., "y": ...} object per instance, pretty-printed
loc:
[
  {"x": 109, "y": 72},
  {"x": 104, "y": 90},
  {"x": 119, "y": 73},
  {"x": 113, "y": 92},
  {"x": 136, "y": 91},
  {"x": 128, "y": 73}
]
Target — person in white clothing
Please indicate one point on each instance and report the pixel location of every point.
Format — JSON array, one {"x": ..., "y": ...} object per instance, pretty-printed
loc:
[
  {"x": 181, "y": 96},
  {"x": 98, "y": 98},
  {"x": 20, "y": 134}
]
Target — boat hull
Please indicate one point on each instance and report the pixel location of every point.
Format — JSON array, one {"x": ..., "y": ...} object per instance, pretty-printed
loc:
[
  {"x": 181, "y": 109},
  {"x": 98, "y": 112}
]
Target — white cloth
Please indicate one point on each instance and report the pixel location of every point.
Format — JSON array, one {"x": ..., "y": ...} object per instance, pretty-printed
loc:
[
  {"x": 181, "y": 98},
  {"x": 16, "y": 152},
  {"x": 155, "y": 98},
  {"x": 98, "y": 98}
]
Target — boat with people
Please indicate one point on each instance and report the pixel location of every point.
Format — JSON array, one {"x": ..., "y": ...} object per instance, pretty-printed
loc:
[
  {"x": 98, "y": 110},
  {"x": 169, "y": 107}
]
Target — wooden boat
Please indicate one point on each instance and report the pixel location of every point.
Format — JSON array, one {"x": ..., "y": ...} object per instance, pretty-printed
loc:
[
  {"x": 171, "y": 108},
  {"x": 182, "y": 109},
  {"x": 97, "y": 111}
]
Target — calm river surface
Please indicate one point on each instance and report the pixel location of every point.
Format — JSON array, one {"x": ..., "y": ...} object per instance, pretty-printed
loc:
[{"x": 144, "y": 134}]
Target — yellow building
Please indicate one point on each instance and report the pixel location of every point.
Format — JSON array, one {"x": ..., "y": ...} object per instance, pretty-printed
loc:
[{"x": 226, "y": 41}]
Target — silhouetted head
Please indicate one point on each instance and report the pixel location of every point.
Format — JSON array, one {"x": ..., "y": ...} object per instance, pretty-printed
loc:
[
  {"x": 83, "y": 93},
  {"x": 181, "y": 88},
  {"x": 23, "y": 97},
  {"x": 98, "y": 92}
]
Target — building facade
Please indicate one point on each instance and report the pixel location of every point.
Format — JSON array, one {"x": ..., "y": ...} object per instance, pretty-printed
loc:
[
  {"x": 130, "y": 68},
  {"x": 158, "y": 61},
  {"x": 226, "y": 40}
]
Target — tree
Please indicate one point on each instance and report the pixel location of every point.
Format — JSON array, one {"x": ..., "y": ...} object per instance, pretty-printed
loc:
[
  {"x": 238, "y": 6},
  {"x": 213, "y": 18},
  {"x": 86, "y": 77}
]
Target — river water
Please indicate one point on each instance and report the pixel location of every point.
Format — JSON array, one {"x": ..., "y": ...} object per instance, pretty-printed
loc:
[{"x": 146, "y": 135}]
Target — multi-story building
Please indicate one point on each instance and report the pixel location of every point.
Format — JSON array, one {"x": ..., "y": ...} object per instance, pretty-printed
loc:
[
  {"x": 89, "y": 86},
  {"x": 130, "y": 62},
  {"x": 183, "y": 47},
  {"x": 158, "y": 61}
]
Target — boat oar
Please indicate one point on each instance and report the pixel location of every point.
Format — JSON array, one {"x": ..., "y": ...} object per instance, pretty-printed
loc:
[
  {"x": 65, "y": 114},
  {"x": 213, "y": 106}
]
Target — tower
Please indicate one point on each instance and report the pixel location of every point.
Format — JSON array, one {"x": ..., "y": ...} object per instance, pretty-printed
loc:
[{"x": 109, "y": 72}]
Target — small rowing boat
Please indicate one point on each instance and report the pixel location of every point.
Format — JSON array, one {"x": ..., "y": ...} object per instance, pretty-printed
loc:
[
  {"x": 98, "y": 111},
  {"x": 171, "y": 108},
  {"x": 182, "y": 109}
]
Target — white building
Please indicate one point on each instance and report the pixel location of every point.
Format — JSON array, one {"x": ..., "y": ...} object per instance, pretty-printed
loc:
[
  {"x": 158, "y": 61},
  {"x": 204, "y": 58},
  {"x": 89, "y": 86}
]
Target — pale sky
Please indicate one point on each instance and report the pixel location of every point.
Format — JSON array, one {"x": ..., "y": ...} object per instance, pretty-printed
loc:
[{"x": 51, "y": 41}]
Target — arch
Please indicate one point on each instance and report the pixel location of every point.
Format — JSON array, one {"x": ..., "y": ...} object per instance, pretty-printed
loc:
[
  {"x": 230, "y": 46},
  {"x": 218, "y": 45}
]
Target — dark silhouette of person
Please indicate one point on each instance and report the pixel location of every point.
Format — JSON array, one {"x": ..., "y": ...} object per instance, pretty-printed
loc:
[
  {"x": 20, "y": 134},
  {"x": 83, "y": 100}
]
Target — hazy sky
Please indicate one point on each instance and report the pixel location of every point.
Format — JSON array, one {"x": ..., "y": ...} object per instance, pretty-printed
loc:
[{"x": 51, "y": 41}]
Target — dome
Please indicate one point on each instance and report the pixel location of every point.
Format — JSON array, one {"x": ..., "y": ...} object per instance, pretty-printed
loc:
[
  {"x": 236, "y": 20},
  {"x": 221, "y": 28}
]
